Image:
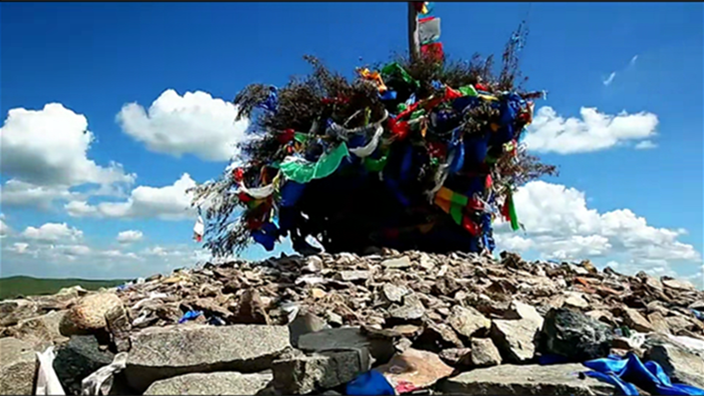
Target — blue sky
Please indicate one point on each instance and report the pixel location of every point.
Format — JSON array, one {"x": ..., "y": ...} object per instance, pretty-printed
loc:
[{"x": 153, "y": 82}]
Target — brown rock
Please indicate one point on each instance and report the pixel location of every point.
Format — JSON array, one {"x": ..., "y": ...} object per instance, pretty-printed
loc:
[
  {"x": 677, "y": 284},
  {"x": 414, "y": 369},
  {"x": 659, "y": 323},
  {"x": 251, "y": 309},
  {"x": 119, "y": 326},
  {"x": 636, "y": 321},
  {"x": 437, "y": 337},
  {"x": 88, "y": 315}
]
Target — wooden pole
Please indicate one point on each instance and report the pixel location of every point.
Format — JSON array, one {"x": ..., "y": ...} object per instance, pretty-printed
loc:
[{"x": 413, "y": 38}]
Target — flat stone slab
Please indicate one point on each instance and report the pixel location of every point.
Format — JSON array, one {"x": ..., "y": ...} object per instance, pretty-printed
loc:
[
  {"x": 17, "y": 367},
  {"x": 508, "y": 379},
  {"x": 159, "y": 353},
  {"x": 220, "y": 383}
]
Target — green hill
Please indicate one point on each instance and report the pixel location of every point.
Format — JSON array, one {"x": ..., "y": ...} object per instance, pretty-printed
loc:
[{"x": 14, "y": 286}]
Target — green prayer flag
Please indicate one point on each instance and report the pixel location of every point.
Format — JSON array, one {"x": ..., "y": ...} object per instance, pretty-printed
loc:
[
  {"x": 468, "y": 90},
  {"x": 456, "y": 213},
  {"x": 302, "y": 171},
  {"x": 394, "y": 67},
  {"x": 512, "y": 212}
]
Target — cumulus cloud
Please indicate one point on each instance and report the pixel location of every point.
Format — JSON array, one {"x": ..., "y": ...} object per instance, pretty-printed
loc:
[
  {"x": 49, "y": 147},
  {"x": 166, "y": 203},
  {"x": 560, "y": 226},
  {"x": 18, "y": 193},
  {"x": 129, "y": 236},
  {"x": 5, "y": 230},
  {"x": 595, "y": 131},
  {"x": 195, "y": 123},
  {"x": 19, "y": 247},
  {"x": 53, "y": 232}
]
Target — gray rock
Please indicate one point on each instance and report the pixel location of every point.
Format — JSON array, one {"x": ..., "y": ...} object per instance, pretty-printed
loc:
[
  {"x": 468, "y": 321},
  {"x": 221, "y": 383},
  {"x": 12, "y": 311},
  {"x": 516, "y": 339},
  {"x": 526, "y": 380},
  {"x": 412, "y": 308},
  {"x": 347, "y": 338},
  {"x": 351, "y": 276},
  {"x": 574, "y": 336},
  {"x": 325, "y": 370},
  {"x": 676, "y": 360},
  {"x": 17, "y": 367},
  {"x": 394, "y": 293},
  {"x": 484, "y": 353},
  {"x": 159, "y": 353},
  {"x": 77, "y": 359},
  {"x": 397, "y": 263},
  {"x": 40, "y": 331},
  {"x": 455, "y": 357},
  {"x": 519, "y": 310},
  {"x": 303, "y": 324}
]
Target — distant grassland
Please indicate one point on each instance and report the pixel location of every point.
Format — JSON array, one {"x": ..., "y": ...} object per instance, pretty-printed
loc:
[{"x": 27, "y": 286}]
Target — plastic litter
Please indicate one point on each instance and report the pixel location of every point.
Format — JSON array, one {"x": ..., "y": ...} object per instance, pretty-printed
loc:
[
  {"x": 47, "y": 380},
  {"x": 369, "y": 384},
  {"x": 190, "y": 315},
  {"x": 100, "y": 382},
  {"x": 152, "y": 296},
  {"x": 649, "y": 376}
]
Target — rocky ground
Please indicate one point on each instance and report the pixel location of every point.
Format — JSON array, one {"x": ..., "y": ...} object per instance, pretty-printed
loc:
[{"x": 455, "y": 324}]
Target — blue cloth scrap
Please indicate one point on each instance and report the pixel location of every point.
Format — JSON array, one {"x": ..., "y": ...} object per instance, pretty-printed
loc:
[
  {"x": 629, "y": 372},
  {"x": 369, "y": 384},
  {"x": 272, "y": 101},
  {"x": 190, "y": 315},
  {"x": 388, "y": 95},
  {"x": 698, "y": 314}
]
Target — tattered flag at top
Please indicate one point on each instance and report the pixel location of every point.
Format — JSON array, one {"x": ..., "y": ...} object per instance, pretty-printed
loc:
[
  {"x": 429, "y": 30},
  {"x": 199, "y": 229}
]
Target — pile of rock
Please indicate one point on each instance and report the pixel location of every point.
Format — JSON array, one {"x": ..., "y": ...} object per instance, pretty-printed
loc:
[{"x": 459, "y": 323}]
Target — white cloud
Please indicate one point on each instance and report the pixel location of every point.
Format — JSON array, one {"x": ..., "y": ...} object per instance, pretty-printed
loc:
[
  {"x": 609, "y": 79},
  {"x": 49, "y": 147},
  {"x": 560, "y": 226},
  {"x": 19, "y": 247},
  {"x": 166, "y": 203},
  {"x": 129, "y": 236},
  {"x": 52, "y": 232},
  {"x": 80, "y": 209},
  {"x": 18, "y": 193},
  {"x": 645, "y": 145},
  {"x": 550, "y": 132},
  {"x": 5, "y": 230},
  {"x": 633, "y": 60},
  {"x": 72, "y": 250},
  {"x": 194, "y": 123}
]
